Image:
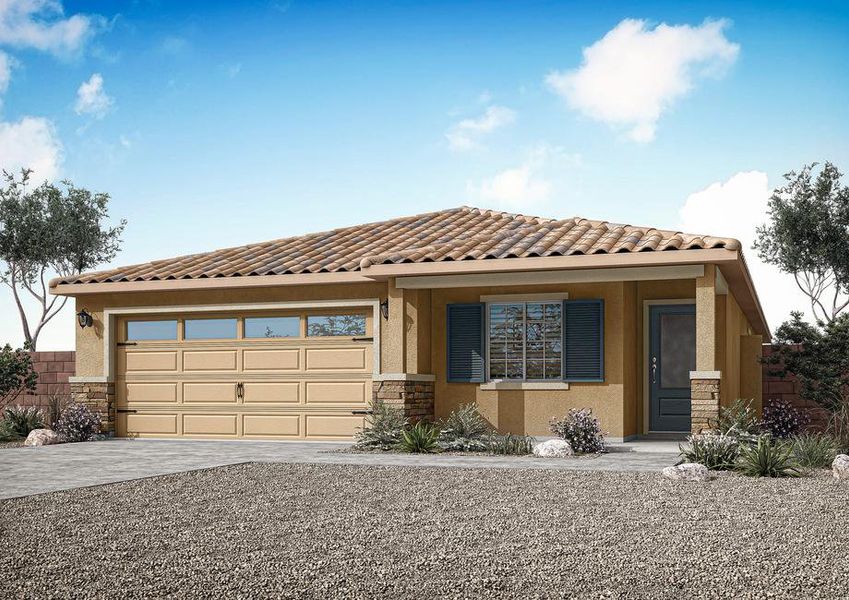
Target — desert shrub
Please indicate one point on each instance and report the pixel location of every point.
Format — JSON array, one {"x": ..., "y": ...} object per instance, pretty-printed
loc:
[
  {"x": 464, "y": 430},
  {"x": 384, "y": 428},
  {"x": 738, "y": 419},
  {"x": 813, "y": 450},
  {"x": 78, "y": 423},
  {"x": 510, "y": 444},
  {"x": 17, "y": 374},
  {"x": 838, "y": 427},
  {"x": 782, "y": 420},
  {"x": 56, "y": 403},
  {"x": 716, "y": 451},
  {"x": 18, "y": 421},
  {"x": 581, "y": 429},
  {"x": 421, "y": 438},
  {"x": 768, "y": 457}
]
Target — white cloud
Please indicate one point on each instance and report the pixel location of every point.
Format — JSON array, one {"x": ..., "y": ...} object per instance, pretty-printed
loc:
[
  {"x": 634, "y": 73},
  {"x": 466, "y": 134},
  {"x": 6, "y": 64},
  {"x": 529, "y": 184},
  {"x": 735, "y": 208},
  {"x": 41, "y": 24},
  {"x": 31, "y": 143},
  {"x": 92, "y": 99}
]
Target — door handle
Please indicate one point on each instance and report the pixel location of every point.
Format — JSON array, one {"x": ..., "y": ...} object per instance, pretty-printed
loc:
[
  {"x": 654, "y": 369},
  {"x": 240, "y": 390}
]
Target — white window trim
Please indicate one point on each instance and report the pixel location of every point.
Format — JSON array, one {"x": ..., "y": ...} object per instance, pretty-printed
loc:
[
  {"x": 521, "y": 384},
  {"x": 110, "y": 314}
]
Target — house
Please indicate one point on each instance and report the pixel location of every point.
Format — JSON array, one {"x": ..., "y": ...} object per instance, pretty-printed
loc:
[{"x": 528, "y": 317}]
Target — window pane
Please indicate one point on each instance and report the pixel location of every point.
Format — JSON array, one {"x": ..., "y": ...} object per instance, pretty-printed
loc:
[
  {"x": 210, "y": 329},
  {"x": 152, "y": 330},
  {"x": 272, "y": 327},
  {"x": 535, "y": 369},
  {"x": 677, "y": 350},
  {"x": 336, "y": 325},
  {"x": 552, "y": 369},
  {"x": 497, "y": 369}
]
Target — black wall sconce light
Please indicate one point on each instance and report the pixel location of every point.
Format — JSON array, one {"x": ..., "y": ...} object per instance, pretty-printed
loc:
[
  {"x": 384, "y": 309},
  {"x": 84, "y": 319}
]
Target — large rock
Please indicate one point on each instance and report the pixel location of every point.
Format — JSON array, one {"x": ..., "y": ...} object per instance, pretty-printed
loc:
[
  {"x": 42, "y": 437},
  {"x": 553, "y": 449},
  {"x": 840, "y": 467},
  {"x": 687, "y": 472}
]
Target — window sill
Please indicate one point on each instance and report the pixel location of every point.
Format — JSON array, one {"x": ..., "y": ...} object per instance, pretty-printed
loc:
[{"x": 525, "y": 385}]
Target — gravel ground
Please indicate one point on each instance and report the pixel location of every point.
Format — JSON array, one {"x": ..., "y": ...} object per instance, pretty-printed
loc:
[
  {"x": 12, "y": 444},
  {"x": 319, "y": 531}
]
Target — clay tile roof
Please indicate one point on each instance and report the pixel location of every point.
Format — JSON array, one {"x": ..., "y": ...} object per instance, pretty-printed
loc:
[{"x": 463, "y": 233}]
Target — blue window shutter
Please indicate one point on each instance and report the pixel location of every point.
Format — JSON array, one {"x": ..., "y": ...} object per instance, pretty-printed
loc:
[
  {"x": 466, "y": 343},
  {"x": 583, "y": 340}
]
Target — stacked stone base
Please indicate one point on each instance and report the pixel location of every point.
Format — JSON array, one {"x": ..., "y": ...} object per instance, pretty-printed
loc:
[
  {"x": 100, "y": 398},
  {"x": 704, "y": 398},
  {"x": 414, "y": 398}
]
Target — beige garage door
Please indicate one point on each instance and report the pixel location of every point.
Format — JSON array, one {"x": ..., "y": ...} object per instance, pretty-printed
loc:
[{"x": 282, "y": 376}]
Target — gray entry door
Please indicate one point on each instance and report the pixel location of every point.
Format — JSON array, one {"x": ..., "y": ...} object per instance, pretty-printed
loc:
[{"x": 672, "y": 355}]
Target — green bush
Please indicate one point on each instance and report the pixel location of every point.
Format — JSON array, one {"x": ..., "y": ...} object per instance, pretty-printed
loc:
[
  {"x": 738, "y": 419},
  {"x": 18, "y": 421},
  {"x": 510, "y": 444},
  {"x": 384, "y": 428},
  {"x": 421, "y": 438},
  {"x": 716, "y": 451},
  {"x": 814, "y": 451},
  {"x": 464, "y": 430},
  {"x": 768, "y": 458}
]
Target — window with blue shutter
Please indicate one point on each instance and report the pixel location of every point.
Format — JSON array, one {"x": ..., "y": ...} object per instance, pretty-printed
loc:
[
  {"x": 583, "y": 340},
  {"x": 466, "y": 349}
]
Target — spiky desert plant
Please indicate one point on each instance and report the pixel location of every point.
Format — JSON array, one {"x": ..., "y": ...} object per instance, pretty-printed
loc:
[
  {"x": 464, "y": 430},
  {"x": 814, "y": 450},
  {"x": 716, "y": 451},
  {"x": 510, "y": 444},
  {"x": 738, "y": 419},
  {"x": 18, "y": 421},
  {"x": 768, "y": 458},
  {"x": 421, "y": 438},
  {"x": 384, "y": 427}
]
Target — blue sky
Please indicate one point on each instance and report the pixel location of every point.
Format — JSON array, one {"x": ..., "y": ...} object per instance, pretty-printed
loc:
[{"x": 213, "y": 124}]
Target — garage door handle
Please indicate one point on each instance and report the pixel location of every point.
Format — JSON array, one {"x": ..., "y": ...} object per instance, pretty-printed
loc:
[
  {"x": 362, "y": 412},
  {"x": 127, "y": 410},
  {"x": 363, "y": 339},
  {"x": 240, "y": 391}
]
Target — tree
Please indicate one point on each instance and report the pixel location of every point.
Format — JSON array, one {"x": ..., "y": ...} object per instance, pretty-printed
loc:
[
  {"x": 808, "y": 237},
  {"x": 50, "y": 229},
  {"x": 16, "y": 374}
]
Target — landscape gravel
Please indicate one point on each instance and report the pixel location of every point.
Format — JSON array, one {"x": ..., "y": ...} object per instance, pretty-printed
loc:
[{"x": 334, "y": 531}]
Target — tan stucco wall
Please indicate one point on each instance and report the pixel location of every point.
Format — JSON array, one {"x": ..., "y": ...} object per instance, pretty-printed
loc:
[
  {"x": 90, "y": 340},
  {"x": 529, "y": 411}
]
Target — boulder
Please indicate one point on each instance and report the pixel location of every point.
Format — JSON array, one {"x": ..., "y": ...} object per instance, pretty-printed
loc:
[
  {"x": 553, "y": 449},
  {"x": 42, "y": 437},
  {"x": 840, "y": 467},
  {"x": 687, "y": 472}
]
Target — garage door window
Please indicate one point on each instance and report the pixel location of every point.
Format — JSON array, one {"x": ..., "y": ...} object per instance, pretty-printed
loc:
[
  {"x": 272, "y": 327},
  {"x": 336, "y": 325},
  {"x": 210, "y": 329},
  {"x": 151, "y": 330}
]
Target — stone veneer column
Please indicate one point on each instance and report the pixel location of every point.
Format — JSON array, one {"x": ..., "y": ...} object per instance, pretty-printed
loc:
[
  {"x": 704, "y": 400},
  {"x": 413, "y": 396},
  {"x": 99, "y": 396}
]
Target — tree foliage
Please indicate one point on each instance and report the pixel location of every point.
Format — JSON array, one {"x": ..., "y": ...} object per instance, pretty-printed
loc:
[
  {"x": 47, "y": 230},
  {"x": 818, "y": 355},
  {"x": 16, "y": 374},
  {"x": 808, "y": 236}
]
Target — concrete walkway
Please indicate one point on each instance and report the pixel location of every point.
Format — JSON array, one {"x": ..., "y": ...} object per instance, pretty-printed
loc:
[{"x": 27, "y": 471}]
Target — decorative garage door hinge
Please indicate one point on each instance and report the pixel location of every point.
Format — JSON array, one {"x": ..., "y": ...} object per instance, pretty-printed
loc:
[{"x": 127, "y": 343}]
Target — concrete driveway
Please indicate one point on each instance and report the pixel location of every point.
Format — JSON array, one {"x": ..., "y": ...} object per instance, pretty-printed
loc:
[{"x": 27, "y": 471}]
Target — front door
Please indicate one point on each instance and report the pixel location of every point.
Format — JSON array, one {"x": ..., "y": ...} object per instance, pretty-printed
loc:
[{"x": 672, "y": 355}]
